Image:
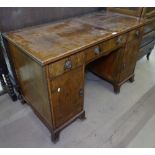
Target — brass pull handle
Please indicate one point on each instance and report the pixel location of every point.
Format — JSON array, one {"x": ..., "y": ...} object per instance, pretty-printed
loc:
[
  {"x": 119, "y": 40},
  {"x": 137, "y": 33},
  {"x": 68, "y": 64},
  {"x": 97, "y": 50}
]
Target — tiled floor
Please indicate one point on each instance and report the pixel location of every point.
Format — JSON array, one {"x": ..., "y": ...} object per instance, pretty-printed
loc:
[{"x": 124, "y": 120}]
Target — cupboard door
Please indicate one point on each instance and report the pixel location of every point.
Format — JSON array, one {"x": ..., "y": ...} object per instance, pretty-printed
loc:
[
  {"x": 130, "y": 58},
  {"x": 67, "y": 95}
]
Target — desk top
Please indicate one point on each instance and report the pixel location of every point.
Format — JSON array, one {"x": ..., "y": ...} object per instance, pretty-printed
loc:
[{"x": 50, "y": 42}]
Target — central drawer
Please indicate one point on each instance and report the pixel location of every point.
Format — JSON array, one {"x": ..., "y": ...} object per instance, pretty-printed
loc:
[{"x": 104, "y": 48}]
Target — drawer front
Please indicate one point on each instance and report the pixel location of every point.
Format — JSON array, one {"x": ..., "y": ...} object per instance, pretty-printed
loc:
[
  {"x": 59, "y": 67},
  {"x": 92, "y": 53},
  {"x": 114, "y": 43},
  {"x": 149, "y": 27},
  {"x": 105, "y": 47}
]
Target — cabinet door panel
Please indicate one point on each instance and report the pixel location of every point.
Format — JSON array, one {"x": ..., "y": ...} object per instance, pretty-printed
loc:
[
  {"x": 67, "y": 97},
  {"x": 130, "y": 58}
]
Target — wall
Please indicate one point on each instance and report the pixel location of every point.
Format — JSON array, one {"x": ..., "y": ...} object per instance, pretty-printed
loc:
[{"x": 15, "y": 18}]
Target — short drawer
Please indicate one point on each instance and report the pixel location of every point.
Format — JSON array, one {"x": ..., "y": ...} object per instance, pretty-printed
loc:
[
  {"x": 92, "y": 53},
  {"x": 149, "y": 27},
  {"x": 114, "y": 43},
  {"x": 105, "y": 47},
  {"x": 59, "y": 67}
]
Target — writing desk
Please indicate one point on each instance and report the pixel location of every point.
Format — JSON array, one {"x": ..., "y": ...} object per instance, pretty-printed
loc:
[{"x": 50, "y": 60}]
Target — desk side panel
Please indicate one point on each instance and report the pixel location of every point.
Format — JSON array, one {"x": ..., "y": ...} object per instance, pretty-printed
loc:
[{"x": 33, "y": 84}]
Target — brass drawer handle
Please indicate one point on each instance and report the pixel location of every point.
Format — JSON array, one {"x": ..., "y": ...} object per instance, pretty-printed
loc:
[
  {"x": 119, "y": 40},
  {"x": 137, "y": 33},
  {"x": 68, "y": 64},
  {"x": 97, "y": 50}
]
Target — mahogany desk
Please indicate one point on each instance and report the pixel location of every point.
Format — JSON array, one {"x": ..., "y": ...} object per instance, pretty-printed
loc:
[{"x": 50, "y": 61}]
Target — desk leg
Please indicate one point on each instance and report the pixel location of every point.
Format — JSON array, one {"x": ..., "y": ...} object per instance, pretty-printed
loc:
[
  {"x": 132, "y": 79},
  {"x": 55, "y": 137},
  {"x": 82, "y": 116},
  {"x": 116, "y": 88}
]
